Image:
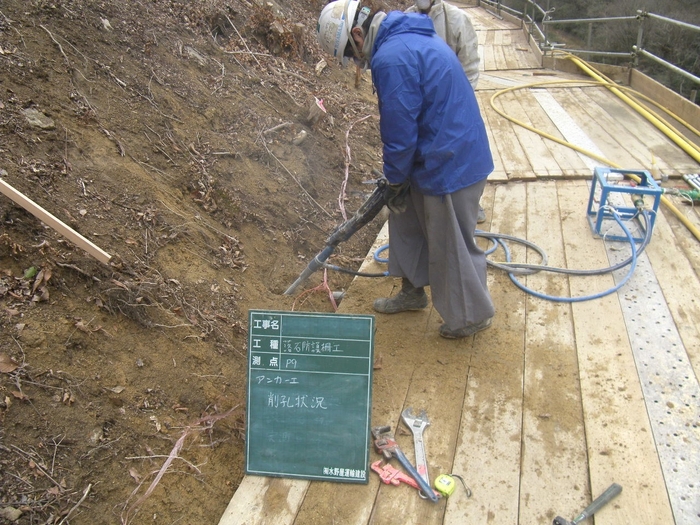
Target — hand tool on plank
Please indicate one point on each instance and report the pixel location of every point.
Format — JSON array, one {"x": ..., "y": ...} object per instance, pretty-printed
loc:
[
  {"x": 385, "y": 443},
  {"x": 445, "y": 485},
  {"x": 390, "y": 475},
  {"x": 417, "y": 423},
  {"x": 602, "y": 500}
]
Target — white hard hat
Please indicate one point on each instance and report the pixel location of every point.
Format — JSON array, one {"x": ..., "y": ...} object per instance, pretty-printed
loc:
[{"x": 333, "y": 29}]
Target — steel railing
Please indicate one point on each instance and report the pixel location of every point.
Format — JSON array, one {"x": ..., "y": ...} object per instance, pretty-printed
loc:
[{"x": 539, "y": 20}]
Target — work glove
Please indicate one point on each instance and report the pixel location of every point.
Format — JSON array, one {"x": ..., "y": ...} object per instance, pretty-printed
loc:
[{"x": 395, "y": 196}]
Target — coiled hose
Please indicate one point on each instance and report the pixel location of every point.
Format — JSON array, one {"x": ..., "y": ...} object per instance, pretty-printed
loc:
[{"x": 514, "y": 269}]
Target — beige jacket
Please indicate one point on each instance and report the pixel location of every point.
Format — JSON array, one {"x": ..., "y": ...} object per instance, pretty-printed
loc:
[{"x": 452, "y": 24}]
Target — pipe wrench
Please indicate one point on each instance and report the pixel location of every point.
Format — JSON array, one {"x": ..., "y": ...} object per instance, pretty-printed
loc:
[
  {"x": 393, "y": 476},
  {"x": 385, "y": 443}
]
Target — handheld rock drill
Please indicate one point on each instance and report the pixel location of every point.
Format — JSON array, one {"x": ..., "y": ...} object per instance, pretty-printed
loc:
[{"x": 368, "y": 211}]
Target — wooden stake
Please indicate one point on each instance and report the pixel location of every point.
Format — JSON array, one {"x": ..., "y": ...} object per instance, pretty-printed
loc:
[
  {"x": 316, "y": 111},
  {"x": 62, "y": 228}
]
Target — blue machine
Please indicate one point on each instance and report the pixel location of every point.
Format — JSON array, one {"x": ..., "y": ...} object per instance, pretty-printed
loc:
[{"x": 613, "y": 181}]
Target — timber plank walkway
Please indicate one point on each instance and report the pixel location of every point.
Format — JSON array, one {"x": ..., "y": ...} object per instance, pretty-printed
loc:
[{"x": 547, "y": 408}]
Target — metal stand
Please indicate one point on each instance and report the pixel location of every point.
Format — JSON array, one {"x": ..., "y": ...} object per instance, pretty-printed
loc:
[{"x": 612, "y": 181}]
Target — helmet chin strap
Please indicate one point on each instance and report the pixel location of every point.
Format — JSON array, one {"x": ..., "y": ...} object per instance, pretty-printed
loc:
[{"x": 361, "y": 17}]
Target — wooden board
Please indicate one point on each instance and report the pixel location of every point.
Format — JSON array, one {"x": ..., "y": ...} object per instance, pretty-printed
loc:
[
  {"x": 634, "y": 140},
  {"x": 499, "y": 57},
  {"x": 40, "y": 213},
  {"x": 488, "y": 449},
  {"x": 526, "y": 59},
  {"x": 569, "y": 161},
  {"x": 511, "y": 152},
  {"x": 596, "y": 130},
  {"x": 538, "y": 154},
  {"x": 670, "y": 158},
  {"x": 439, "y": 379},
  {"x": 498, "y": 173},
  {"x": 489, "y": 62},
  {"x": 481, "y": 18},
  {"x": 265, "y": 501},
  {"x": 552, "y": 419}
]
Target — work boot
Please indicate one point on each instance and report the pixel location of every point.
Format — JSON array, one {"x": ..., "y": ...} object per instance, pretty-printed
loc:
[
  {"x": 468, "y": 330},
  {"x": 409, "y": 298},
  {"x": 481, "y": 216}
]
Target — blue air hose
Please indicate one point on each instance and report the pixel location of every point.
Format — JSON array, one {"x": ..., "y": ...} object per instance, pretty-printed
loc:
[{"x": 514, "y": 269}]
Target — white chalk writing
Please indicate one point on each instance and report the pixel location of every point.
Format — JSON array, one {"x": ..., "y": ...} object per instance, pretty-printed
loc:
[
  {"x": 266, "y": 380},
  {"x": 266, "y": 324},
  {"x": 308, "y": 346},
  {"x": 295, "y": 401},
  {"x": 340, "y": 472}
]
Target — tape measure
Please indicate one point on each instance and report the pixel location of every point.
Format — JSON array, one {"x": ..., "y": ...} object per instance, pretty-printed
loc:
[{"x": 445, "y": 484}]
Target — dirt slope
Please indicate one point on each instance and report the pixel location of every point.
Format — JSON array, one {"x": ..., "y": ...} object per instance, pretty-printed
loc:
[{"x": 169, "y": 133}]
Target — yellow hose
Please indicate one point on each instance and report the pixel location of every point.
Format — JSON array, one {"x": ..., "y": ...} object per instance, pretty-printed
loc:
[
  {"x": 688, "y": 147},
  {"x": 683, "y": 143}
]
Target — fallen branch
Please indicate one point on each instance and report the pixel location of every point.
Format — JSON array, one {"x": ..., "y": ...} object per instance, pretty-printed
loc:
[
  {"x": 60, "y": 48},
  {"x": 9, "y": 23},
  {"x": 242, "y": 40},
  {"x": 246, "y": 53},
  {"x": 29, "y": 457},
  {"x": 291, "y": 73},
  {"x": 189, "y": 463},
  {"x": 85, "y": 493},
  {"x": 80, "y": 271},
  {"x": 275, "y": 128}
]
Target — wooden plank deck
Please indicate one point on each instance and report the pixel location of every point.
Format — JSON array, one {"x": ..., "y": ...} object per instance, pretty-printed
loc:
[{"x": 543, "y": 411}]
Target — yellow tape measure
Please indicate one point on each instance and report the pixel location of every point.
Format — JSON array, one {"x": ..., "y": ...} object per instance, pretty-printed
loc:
[{"x": 445, "y": 485}]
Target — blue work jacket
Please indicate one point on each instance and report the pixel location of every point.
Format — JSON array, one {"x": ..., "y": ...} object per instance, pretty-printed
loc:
[{"x": 430, "y": 124}]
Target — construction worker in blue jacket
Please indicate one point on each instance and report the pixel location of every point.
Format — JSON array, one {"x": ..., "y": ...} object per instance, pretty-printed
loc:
[{"x": 436, "y": 159}]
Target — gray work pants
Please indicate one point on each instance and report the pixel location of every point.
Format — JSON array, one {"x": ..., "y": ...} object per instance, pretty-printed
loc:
[{"x": 432, "y": 244}]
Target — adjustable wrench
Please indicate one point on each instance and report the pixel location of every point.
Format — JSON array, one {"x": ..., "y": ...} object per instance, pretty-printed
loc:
[
  {"x": 385, "y": 443},
  {"x": 417, "y": 424}
]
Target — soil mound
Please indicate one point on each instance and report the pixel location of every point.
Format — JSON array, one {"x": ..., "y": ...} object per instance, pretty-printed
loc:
[{"x": 178, "y": 137}]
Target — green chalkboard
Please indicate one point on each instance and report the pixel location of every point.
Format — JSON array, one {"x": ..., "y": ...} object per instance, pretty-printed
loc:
[{"x": 309, "y": 395}]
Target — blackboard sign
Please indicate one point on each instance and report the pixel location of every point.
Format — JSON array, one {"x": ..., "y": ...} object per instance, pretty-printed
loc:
[{"x": 309, "y": 395}]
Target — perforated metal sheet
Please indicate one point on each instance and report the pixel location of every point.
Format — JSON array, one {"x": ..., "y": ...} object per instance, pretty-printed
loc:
[{"x": 670, "y": 388}]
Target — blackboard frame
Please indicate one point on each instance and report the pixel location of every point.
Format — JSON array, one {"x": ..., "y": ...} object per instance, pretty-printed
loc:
[{"x": 309, "y": 395}]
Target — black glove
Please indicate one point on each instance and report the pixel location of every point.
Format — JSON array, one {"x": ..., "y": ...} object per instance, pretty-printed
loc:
[{"x": 395, "y": 196}]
